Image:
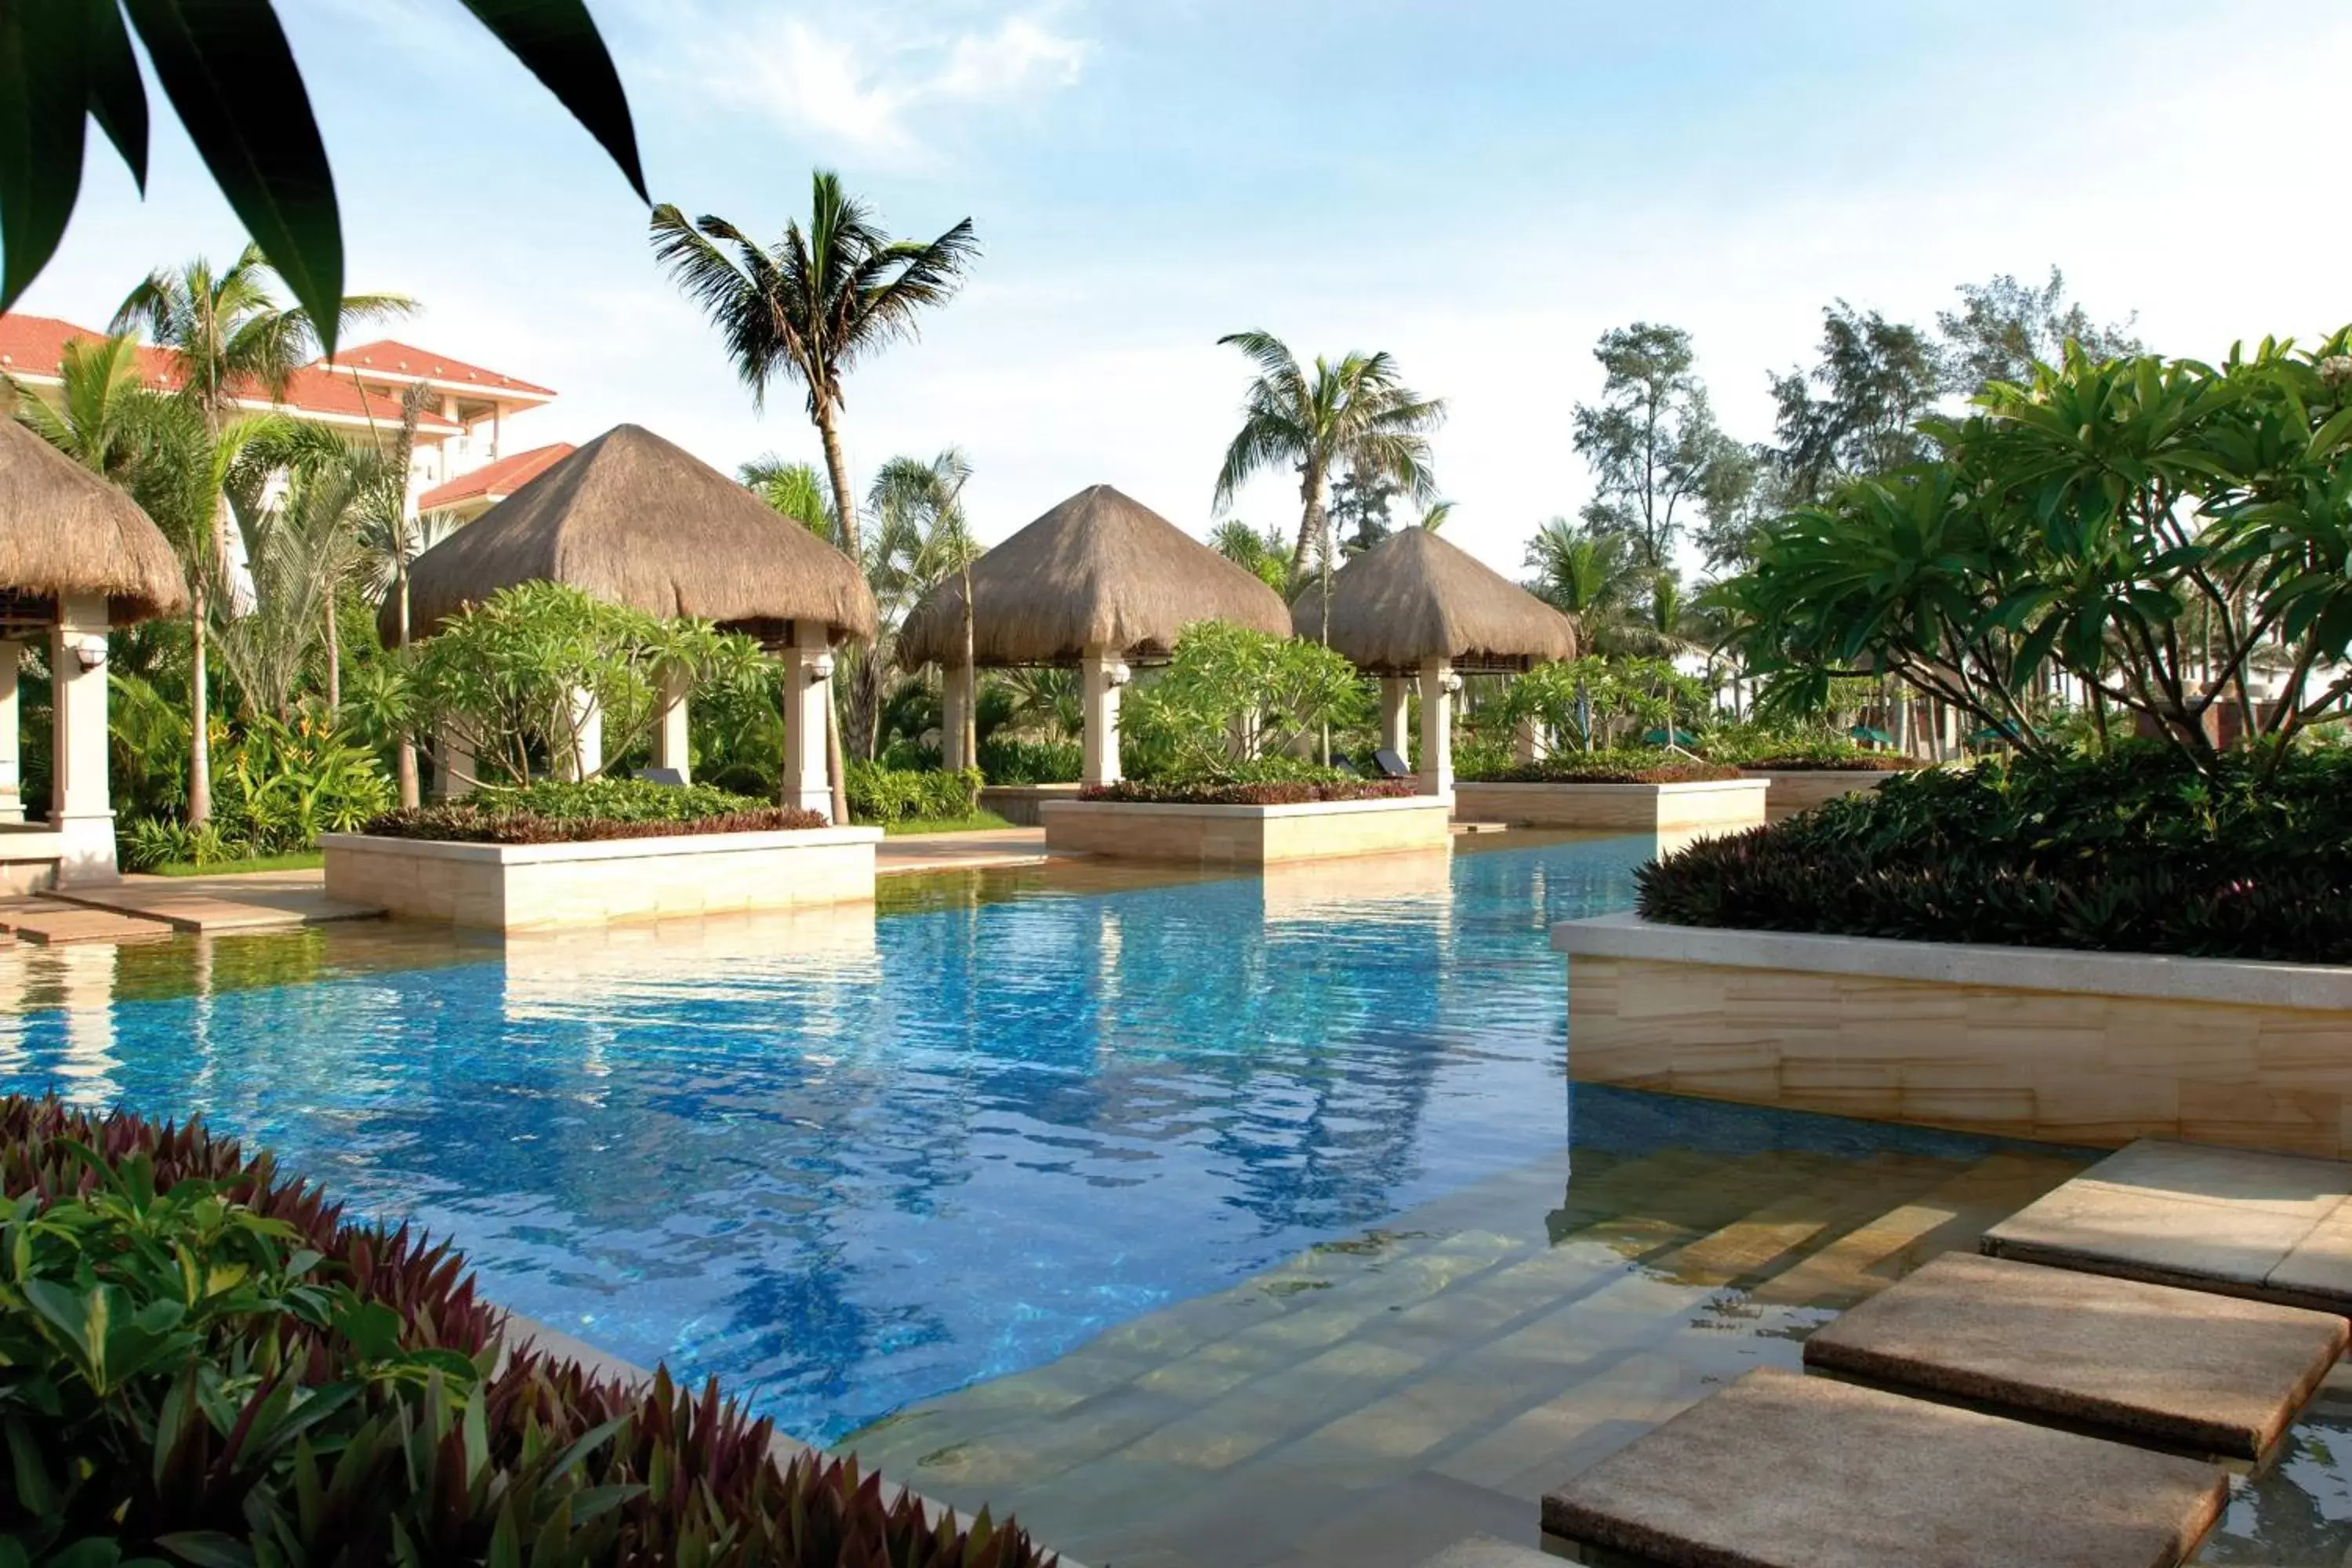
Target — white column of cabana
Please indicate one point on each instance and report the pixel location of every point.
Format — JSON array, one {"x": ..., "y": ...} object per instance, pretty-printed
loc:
[
  {"x": 955, "y": 703},
  {"x": 81, "y": 810},
  {"x": 1102, "y": 672},
  {"x": 1438, "y": 684},
  {"x": 1396, "y": 699},
  {"x": 673, "y": 744},
  {"x": 453, "y": 766},
  {"x": 12, "y": 799},
  {"x": 808, "y": 687},
  {"x": 587, "y": 754}
]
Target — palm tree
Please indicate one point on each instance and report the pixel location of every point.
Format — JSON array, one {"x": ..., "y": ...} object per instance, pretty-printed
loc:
[
  {"x": 794, "y": 489},
  {"x": 1260, "y": 555},
  {"x": 300, "y": 547},
  {"x": 1587, "y": 576},
  {"x": 101, "y": 421},
  {"x": 390, "y": 537},
  {"x": 922, "y": 534},
  {"x": 226, "y": 331},
  {"x": 1356, "y": 412},
  {"x": 808, "y": 309}
]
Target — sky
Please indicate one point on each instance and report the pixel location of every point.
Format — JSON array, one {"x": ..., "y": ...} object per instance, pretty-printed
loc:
[{"x": 1480, "y": 188}]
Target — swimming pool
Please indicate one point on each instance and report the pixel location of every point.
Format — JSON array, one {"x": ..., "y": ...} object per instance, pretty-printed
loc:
[{"x": 849, "y": 1161}]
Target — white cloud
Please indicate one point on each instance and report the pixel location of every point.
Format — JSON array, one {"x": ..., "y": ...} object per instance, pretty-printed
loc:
[{"x": 877, "y": 86}]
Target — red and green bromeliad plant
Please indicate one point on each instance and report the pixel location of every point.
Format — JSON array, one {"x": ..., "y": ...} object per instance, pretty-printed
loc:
[{"x": 202, "y": 1363}]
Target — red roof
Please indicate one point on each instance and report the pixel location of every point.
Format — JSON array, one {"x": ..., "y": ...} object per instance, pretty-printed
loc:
[
  {"x": 34, "y": 346},
  {"x": 496, "y": 480},
  {"x": 390, "y": 357}
]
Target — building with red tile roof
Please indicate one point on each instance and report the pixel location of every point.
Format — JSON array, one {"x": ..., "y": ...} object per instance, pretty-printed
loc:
[
  {"x": 459, "y": 430},
  {"x": 470, "y": 495}
]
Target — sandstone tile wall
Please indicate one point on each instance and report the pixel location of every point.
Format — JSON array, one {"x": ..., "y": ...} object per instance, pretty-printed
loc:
[
  {"x": 2071, "y": 1068},
  {"x": 1803, "y": 789},
  {"x": 1723, "y": 805},
  {"x": 1247, "y": 835},
  {"x": 540, "y": 887}
]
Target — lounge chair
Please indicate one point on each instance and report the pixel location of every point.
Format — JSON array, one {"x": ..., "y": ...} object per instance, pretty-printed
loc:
[
  {"x": 1391, "y": 764},
  {"x": 663, "y": 776}
]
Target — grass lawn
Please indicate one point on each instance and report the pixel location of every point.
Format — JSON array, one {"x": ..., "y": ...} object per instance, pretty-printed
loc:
[
  {"x": 300, "y": 860},
  {"x": 977, "y": 822}
]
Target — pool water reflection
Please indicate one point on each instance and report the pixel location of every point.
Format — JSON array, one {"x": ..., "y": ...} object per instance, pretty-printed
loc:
[{"x": 849, "y": 1161}]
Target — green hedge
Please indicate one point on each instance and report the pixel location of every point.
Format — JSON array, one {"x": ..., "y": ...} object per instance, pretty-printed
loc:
[
  {"x": 201, "y": 1362},
  {"x": 880, "y": 794},
  {"x": 1625, "y": 765},
  {"x": 550, "y": 813},
  {"x": 1009, "y": 762},
  {"x": 2134, "y": 852}
]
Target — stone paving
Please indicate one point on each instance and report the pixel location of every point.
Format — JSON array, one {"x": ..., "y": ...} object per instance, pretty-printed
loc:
[
  {"x": 985, "y": 850},
  {"x": 249, "y": 900},
  {"x": 1374, "y": 1401}
]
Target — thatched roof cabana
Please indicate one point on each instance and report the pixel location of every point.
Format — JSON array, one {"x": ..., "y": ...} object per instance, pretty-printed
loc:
[
  {"x": 1101, "y": 569},
  {"x": 1413, "y": 596},
  {"x": 633, "y": 519},
  {"x": 63, "y": 529}
]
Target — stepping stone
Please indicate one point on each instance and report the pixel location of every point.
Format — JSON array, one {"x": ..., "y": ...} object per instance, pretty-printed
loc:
[
  {"x": 53, "y": 925},
  {"x": 2272, "y": 1227},
  {"x": 1485, "y": 1551},
  {"x": 1784, "y": 1472},
  {"x": 2209, "y": 1374}
]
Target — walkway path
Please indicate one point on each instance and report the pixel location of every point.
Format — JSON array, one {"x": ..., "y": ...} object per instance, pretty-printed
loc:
[
  {"x": 251, "y": 901},
  {"x": 984, "y": 850}
]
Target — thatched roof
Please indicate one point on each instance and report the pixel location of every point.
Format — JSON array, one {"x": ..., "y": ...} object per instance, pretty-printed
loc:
[
  {"x": 1098, "y": 568},
  {"x": 635, "y": 521},
  {"x": 63, "y": 529},
  {"x": 1413, "y": 596}
]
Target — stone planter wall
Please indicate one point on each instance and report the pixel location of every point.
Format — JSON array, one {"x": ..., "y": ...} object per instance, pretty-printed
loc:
[
  {"x": 1247, "y": 835},
  {"x": 1802, "y": 789},
  {"x": 1020, "y": 804},
  {"x": 2076, "y": 1047},
  {"x": 29, "y": 853},
  {"x": 537, "y": 886},
  {"x": 1716, "y": 804}
]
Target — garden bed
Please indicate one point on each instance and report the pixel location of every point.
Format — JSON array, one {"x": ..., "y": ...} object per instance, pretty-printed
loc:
[
  {"x": 1714, "y": 804},
  {"x": 2073, "y": 1047},
  {"x": 366, "y": 1394},
  {"x": 1797, "y": 785},
  {"x": 528, "y": 886},
  {"x": 1213, "y": 832},
  {"x": 1020, "y": 804}
]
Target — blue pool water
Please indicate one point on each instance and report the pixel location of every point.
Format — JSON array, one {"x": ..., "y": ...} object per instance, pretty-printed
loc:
[{"x": 850, "y": 1162}]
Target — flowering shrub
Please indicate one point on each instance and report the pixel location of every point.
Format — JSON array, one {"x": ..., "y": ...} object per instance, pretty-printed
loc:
[
  {"x": 1646, "y": 764},
  {"x": 552, "y": 813},
  {"x": 1272, "y": 792}
]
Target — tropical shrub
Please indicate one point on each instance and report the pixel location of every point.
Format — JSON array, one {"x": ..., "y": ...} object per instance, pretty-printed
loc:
[
  {"x": 2140, "y": 851},
  {"x": 276, "y": 787},
  {"x": 2152, "y": 528},
  {"x": 882, "y": 795},
  {"x": 202, "y": 1362},
  {"x": 1006, "y": 761},
  {"x": 1627, "y": 764},
  {"x": 1595, "y": 703},
  {"x": 503, "y": 675},
  {"x": 1261, "y": 792},
  {"x": 556, "y": 813},
  {"x": 1229, "y": 696},
  {"x": 1797, "y": 748}
]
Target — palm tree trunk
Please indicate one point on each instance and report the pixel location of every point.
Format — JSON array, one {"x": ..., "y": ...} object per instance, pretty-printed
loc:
[
  {"x": 404, "y": 757},
  {"x": 199, "y": 759},
  {"x": 845, "y": 508},
  {"x": 969, "y": 720},
  {"x": 334, "y": 659},
  {"x": 1310, "y": 494}
]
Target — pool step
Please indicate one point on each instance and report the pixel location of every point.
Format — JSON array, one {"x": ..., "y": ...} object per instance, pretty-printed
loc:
[
  {"x": 50, "y": 923},
  {"x": 2271, "y": 1228},
  {"x": 1780, "y": 1471},
  {"x": 2139, "y": 1363}
]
